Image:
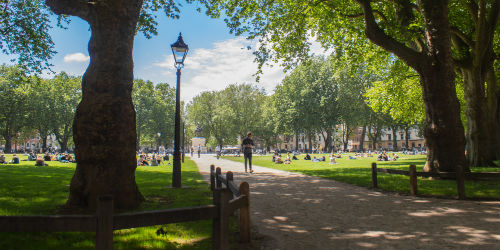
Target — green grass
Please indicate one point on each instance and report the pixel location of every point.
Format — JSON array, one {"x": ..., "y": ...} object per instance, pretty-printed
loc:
[
  {"x": 358, "y": 172},
  {"x": 29, "y": 190}
]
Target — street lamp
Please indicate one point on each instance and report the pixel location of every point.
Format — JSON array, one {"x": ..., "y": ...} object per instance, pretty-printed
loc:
[
  {"x": 179, "y": 49},
  {"x": 159, "y": 142}
]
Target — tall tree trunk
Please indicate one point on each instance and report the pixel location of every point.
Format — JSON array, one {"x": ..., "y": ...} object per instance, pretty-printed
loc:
[
  {"x": 407, "y": 142},
  {"x": 44, "y": 142},
  {"x": 482, "y": 128},
  {"x": 394, "y": 139},
  {"x": 297, "y": 141},
  {"x": 8, "y": 144},
  {"x": 309, "y": 138},
  {"x": 104, "y": 124},
  {"x": 362, "y": 139}
]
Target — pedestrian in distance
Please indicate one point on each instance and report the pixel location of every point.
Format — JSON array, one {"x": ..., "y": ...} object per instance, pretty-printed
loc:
[{"x": 247, "y": 148}]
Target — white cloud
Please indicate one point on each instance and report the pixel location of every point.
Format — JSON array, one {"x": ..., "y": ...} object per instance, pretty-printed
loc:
[
  {"x": 76, "y": 57},
  {"x": 226, "y": 63}
]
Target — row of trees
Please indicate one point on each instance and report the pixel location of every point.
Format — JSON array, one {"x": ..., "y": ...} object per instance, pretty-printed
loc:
[
  {"x": 437, "y": 39},
  {"x": 30, "y": 105}
]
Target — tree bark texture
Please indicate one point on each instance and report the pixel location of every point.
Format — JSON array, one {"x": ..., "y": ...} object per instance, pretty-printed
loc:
[
  {"x": 444, "y": 132},
  {"x": 104, "y": 125},
  {"x": 482, "y": 126}
]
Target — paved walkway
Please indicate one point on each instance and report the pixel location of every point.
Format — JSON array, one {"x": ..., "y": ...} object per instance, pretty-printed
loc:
[{"x": 302, "y": 212}]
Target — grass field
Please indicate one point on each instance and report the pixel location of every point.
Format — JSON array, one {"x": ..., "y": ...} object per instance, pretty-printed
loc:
[
  {"x": 29, "y": 190},
  {"x": 358, "y": 172}
]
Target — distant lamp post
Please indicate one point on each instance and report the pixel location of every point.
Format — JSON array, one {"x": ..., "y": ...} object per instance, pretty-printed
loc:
[
  {"x": 159, "y": 142},
  {"x": 179, "y": 49}
]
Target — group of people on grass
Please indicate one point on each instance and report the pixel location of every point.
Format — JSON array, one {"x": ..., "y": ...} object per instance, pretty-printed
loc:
[
  {"x": 384, "y": 157},
  {"x": 288, "y": 160},
  {"x": 39, "y": 159},
  {"x": 152, "y": 159}
]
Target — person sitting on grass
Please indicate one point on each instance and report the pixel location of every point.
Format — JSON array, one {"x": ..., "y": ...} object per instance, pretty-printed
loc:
[
  {"x": 294, "y": 157},
  {"x": 307, "y": 157},
  {"x": 322, "y": 158},
  {"x": 332, "y": 159},
  {"x": 70, "y": 158},
  {"x": 15, "y": 159},
  {"x": 315, "y": 159},
  {"x": 46, "y": 157},
  {"x": 40, "y": 162},
  {"x": 278, "y": 160},
  {"x": 287, "y": 159},
  {"x": 32, "y": 156},
  {"x": 2, "y": 159},
  {"x": 143, "y": 161}
]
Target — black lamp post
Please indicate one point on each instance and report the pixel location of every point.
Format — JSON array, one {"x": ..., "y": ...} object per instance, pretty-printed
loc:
[{"x": 179, "y": 49}]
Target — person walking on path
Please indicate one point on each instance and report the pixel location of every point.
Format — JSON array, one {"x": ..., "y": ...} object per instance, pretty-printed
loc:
[{"x": 247, "y": 148}]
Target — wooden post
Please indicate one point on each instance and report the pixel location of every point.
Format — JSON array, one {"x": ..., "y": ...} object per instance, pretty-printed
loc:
[
  {"x": 104, "y": 231},
  {"x": 224, "y": 210},
  {"x": 245, "y": 214},
  {"x": 220, "y": 225},
  {"x": 217, "y": 179},
  {"x": 216, "y": 245},
  {"x": 229, "y": 178},
  {"x": 413, "y": 180},
  {"x": 374, "y": 175},
  {"x": 460, "y": 182},
  {"x": 212, "y": 177}
]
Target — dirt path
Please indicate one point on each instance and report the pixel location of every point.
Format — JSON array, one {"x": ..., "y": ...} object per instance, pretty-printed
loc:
[{"x": 302, "y": 212}]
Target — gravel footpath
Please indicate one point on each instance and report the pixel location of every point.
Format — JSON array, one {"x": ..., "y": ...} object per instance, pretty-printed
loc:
[{"x": 295, "y": 211}]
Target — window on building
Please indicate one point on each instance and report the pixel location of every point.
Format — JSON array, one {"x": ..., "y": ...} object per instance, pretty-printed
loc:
[
  {"x": 389, "y": 137},
  {"x": 402, "y": 136},
  {"x": 409, "y": 136}
]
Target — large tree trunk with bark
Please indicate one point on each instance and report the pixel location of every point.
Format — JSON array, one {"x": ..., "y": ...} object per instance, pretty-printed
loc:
[
  {"x": 444, "y": 132},
  {"x": 8, "y": 144},
  {"x": 482, "y": 126},
  {"x": 104, "y": 125}
]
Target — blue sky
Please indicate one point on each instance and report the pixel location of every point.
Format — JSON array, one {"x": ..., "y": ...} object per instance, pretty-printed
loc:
[{"x": 215, "y": 60}]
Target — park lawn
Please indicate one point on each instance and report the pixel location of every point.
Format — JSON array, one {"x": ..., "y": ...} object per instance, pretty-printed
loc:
[
  {"x": 358, "y": 172},
  {"x": 29, "y": 190}
]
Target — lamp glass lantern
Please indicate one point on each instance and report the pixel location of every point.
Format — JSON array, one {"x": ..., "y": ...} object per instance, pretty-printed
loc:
[{"x": 180, "y": 50}]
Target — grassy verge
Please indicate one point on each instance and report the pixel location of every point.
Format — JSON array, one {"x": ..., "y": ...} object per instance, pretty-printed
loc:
[
  {"x": 29, "y": 190},
  {"x": 358, "y": 172}
]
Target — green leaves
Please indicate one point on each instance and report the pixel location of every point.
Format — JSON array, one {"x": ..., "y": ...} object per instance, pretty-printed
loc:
[
  {"x": 24, "y": 31},
  {"x": 155, "y": 111}
]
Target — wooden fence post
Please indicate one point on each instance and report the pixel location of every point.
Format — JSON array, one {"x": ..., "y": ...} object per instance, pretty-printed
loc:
[
  {"x": 460, "y": 182},
  {"x": 374, "y": 175},
  {"x": 104, "y": 231},
  {"x": 229, "y": 178},
  {"x": 216, "y": 244},
  {"x": 220, "y": 226},
  {"x": 245, "y": 214},
  {"x": 413, "y": 180},
  {"x": 224, "y": 210},
  {"x": 212, "y": 177},
  {"x": 218, "y": 181}
]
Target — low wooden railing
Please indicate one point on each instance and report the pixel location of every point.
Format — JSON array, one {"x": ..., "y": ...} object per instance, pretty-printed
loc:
[
  {"x": 235, "y": 198},
  {"x": 412, "y": 173},
  {"x": 104, "y": 222}
]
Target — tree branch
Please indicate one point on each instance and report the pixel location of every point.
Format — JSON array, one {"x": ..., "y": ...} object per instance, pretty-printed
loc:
[
  {"x": 455, "y": 31},
  {"x": 379, "y": 37},
  {"x": 79, "y": 8}
]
